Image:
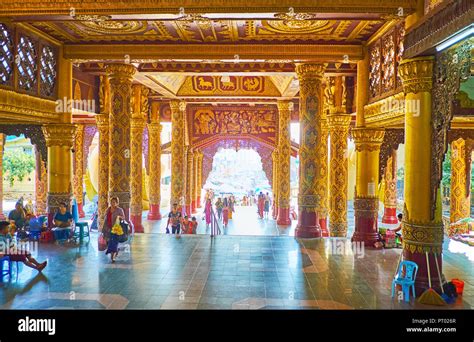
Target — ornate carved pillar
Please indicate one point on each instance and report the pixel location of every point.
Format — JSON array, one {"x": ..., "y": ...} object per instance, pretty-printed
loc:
[
  {"x": 78, "y": 178},
  {"x": 2, "y": 141},
  {"x": 275, "y": 162},
  {"x": 338, "y": 175},
  {"x": 323, "y": 178},
  {"x": 195, "y": 181},
  {"x": 422, "y": 232},
  {"x": 102, "y": 121},
  {"x": 460, "y": 181},
  {"x": 60, "y": 140},
  {"x": 189, "y": 180},
  {"x": 103, "y": 191},
  {"x": 390, "y": 194},
  {"x": 154, "y": 160},
  {"x": 178, "y": 156},
  {"x": 120, "y": 79},
  {"x": 367, "y": 146},
  {"x": 41, "y": 185},
  {"x": 311, "y": 106},
  {"x": 284, "y": 158},
  {"x": 137, "y": 125},
  {"x": 199, "y": 178}
]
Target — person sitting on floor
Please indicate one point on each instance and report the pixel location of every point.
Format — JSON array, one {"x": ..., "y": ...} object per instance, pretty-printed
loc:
[
  {"x": 193, "y": 225},
  {"x": 9, "y": 249},
  {"x": 18, "y": 215},
  {"x": 185, "y": 225},
  {"x": 63, "y": 218}
]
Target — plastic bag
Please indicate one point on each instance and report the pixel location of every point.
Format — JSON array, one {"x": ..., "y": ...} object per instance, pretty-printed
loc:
[{"x": 102, "y": 243}]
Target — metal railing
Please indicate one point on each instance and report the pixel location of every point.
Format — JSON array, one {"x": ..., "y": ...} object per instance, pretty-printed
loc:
[{"x": 215, "y": 229}]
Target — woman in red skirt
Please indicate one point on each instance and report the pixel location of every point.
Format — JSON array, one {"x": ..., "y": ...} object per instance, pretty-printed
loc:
[{"x": 225, "y": 212}]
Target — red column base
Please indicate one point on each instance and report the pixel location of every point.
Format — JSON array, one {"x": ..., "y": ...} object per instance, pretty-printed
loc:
[
  {"x": 154, "y": 212},
  {"x": 187, "y": 209},
  {"x": 80, "y": 210},
  {"x": 421, "y": 282},
  {"x": 390, "y": 215},
  {"x": 365, "y": 231},
  {"x": 308, "y": 225},
  {"x": 193, "y": 207},
  {"x": 137, "y": 223},
  {"x": 283, "y": 217},
  {"x": 198, "y": 202},
  {"x": 323, "y": 223}
]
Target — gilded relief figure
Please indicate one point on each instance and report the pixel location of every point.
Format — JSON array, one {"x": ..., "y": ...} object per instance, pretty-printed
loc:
[{"x": 204, "y": 123}]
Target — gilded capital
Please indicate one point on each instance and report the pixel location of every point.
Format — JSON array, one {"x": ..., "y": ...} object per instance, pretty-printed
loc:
[
  {"x": 120, "y": 71},
  {"x": 368, "y": 139},
  {"x": 305, "y": 71},
  {"x": 416, "y": 74},
  {"x": 155, "y": 112},
  {"x": 59, "y": 134},
  {"x": 339, "y": 121},
  {"x": 102, "y": 120},
  {"x": 284, "y": 105},
  {"x": 137, "y": 123}
]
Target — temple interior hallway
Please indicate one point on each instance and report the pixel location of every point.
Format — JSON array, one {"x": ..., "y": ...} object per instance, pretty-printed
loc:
[
  {"x": 228, "y": 272},
  {"x": 245, "y": 221}
]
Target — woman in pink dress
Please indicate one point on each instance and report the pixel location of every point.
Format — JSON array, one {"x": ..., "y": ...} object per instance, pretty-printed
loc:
[
  {"x": 225, "y": 212},
  {"x": 207, "y": 211}
]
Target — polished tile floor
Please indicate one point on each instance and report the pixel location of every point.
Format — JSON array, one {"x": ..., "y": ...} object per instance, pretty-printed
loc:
[{"x": 158, "y": 271}]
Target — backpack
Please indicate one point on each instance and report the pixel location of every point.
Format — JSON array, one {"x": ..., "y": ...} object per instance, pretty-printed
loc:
[{"x": 450, "y": 289}]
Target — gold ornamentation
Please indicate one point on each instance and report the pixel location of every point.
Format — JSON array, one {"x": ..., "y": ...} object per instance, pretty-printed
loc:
[
  {"x": 416, "y": 74},
  {"x": 137, "y": 126},
  {"x": 78, "y": 176},
  {"x": 41, "y": 186},
  {"x": 122, "y": 27},
  {"x": 460, "y": 180},
  {"x": 367, "y": 139},
  {"x": 284, "y": 154},
  {"x": 120, "y": 79},
  {"x": 189, "y": 177},
  {"x": 452, "y": 67},
  {"x": 56, "y": 198},
  {"x": 390, "y": 194},
  {"x": 178, "y": 112},
  {"x": 338, "y": 176},
  {"x": 366, "y": 207},
  {"x": 59, "y": 134},
  {"x": 422, "y": 237},
  {"x": 311, "y": 107},
  {"x": 29, "y": 108},
  {"x": 103, "y": 128},
  {"x": 389, "y": 111},
  {"x": 154, "y": 160}
]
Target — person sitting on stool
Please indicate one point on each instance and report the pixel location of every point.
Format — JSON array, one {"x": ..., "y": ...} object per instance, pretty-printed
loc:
[{"x": 63, "y": 218}]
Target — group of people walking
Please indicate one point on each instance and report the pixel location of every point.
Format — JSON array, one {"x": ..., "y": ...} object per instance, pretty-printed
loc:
[
  {"x": 263, "y": 205},
  {"x": 225, "y": 209}
]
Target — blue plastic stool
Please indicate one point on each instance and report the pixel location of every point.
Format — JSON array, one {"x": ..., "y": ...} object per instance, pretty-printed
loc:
[
  {"x": 84, "y": 231},
  {"x": 7, "y": 271},
  {"x": 406, "y": 279}
]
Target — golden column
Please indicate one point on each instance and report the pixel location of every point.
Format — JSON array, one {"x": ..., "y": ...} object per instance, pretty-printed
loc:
[
  {"x": 103, "y": 191},
  {"x": 422, "y": 229},
  {"x": 59, "y": 140},
  {"x": 460, "y": 181},
  {"x": 390, "y": 194},
  {"x": 41, "y": 186},
  {"x": 189, "y": 180},
  {"x": 195, "y": 181},
  {"x": 338, "y": 175},
  {"x": 78, "y": 178},
  {"x": 311, "y": 106},
  {"x": 199, "y": 178},
  {"x": 282, "y": 202},
  {"x": 102, "y": 121},
  {"x": 178, "y": 156},
  {"x": 154, "y": 160},
  {"x": 120, "y": 79},
  {"x": 137, "y": 125},
  {"x": 2, "y": 141},
  {"x": 275, "y": 162},
  {"x": 366, "y": 203}
]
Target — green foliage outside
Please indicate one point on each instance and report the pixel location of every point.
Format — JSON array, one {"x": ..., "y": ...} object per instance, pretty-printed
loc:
[{"x": 17, "y": 165}]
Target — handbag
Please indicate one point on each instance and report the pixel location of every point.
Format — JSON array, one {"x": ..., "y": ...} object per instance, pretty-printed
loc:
[{"x": 102, "y": 243}]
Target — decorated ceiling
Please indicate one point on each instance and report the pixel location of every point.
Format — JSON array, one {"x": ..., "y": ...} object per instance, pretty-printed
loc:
[{"x": 203, "y": 30}]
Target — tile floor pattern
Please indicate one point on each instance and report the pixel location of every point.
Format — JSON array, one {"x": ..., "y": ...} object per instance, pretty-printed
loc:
[{"x": 228, "y": 272}]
